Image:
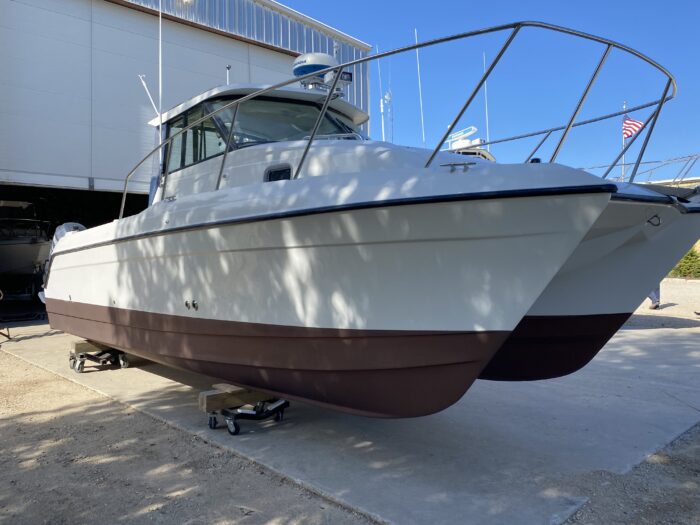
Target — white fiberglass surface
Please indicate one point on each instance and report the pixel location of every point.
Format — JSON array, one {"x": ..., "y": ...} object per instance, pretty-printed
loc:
[
  {"x": 396, "y": 183},
  {"x": 628, "y": 251},
  {"x": 437, "y": 266},
  {"x": 464, "y": 265}
]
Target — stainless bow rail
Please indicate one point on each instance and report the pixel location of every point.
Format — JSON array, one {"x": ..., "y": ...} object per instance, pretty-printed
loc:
[{"x": 669, "y": 92}]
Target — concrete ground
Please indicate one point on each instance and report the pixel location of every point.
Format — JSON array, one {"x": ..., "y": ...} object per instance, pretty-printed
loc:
[
  {"x": 589, "y": 448},
  {"x": 71, "y": 455}
]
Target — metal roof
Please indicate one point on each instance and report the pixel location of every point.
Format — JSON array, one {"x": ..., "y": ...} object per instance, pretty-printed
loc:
[
  {"x": 247, "y": 19},
  {"x": 358, "y": 116}
]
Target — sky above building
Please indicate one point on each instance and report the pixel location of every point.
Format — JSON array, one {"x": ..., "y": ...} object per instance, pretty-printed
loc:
[{"x": 538, "y": 82}]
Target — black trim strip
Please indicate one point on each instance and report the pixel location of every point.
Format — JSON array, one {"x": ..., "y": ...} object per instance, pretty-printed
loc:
[
  {"x": 432, "y": 199},
  {"x": 663, "y": 199}
]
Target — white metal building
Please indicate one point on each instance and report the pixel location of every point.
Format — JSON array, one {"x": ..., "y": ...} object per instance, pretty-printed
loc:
[{"x": 73, "y": 112}]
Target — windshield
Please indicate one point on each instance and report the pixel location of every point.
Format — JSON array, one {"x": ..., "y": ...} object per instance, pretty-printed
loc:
[{"x": 273, "y": 120}]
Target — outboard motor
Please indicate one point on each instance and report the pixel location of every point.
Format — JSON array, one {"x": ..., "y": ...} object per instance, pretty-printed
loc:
[{"x": 64, "y": 229}]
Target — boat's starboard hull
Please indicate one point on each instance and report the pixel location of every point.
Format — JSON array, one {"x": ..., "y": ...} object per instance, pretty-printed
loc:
[{"x": 376, "y": 307}]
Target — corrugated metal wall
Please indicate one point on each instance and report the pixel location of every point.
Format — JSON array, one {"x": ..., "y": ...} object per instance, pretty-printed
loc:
[
  {"x": 73, "y": 113},
  {"x": 252, "y": 20}
]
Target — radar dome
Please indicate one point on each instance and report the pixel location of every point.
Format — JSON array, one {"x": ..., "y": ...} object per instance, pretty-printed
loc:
[{"x": 311, "y": 63}]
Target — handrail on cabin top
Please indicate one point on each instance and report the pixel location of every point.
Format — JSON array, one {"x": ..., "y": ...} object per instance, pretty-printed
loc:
[{"x": 515, "y": 28}]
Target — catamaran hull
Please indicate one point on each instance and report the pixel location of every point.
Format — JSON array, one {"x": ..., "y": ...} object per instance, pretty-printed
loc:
[
  {"x": 390, "y": 311},
  {"x": 620, "y": 261},
  {"x": 368, "y": 372},
  {"x": 549, "y": 346}
]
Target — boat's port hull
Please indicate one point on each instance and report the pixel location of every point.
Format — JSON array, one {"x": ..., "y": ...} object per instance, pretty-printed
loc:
[
  {"x": 620, "y": 261},
  {"x": 367, "y": 372},
  {"x": 545, "y": 347}
]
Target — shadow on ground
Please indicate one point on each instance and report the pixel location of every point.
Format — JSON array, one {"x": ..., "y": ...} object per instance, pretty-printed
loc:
[{"x": 72, "y": 456}]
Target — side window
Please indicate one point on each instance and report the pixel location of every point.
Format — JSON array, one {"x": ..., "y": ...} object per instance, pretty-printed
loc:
[
  {"x": 176, "y": 157},
  {"x": 197, "y": 144}
]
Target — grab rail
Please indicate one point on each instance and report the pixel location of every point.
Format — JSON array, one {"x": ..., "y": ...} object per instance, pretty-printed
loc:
[{"x": 514, "y": 31}]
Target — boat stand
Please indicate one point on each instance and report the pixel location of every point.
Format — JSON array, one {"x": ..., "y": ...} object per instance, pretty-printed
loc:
[
  {"x": 82, "y": 351},
  {"x": 235, "y": 403}
]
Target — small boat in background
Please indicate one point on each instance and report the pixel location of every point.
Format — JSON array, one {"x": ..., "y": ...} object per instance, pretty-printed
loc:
[{"x": 24, "y": 248}]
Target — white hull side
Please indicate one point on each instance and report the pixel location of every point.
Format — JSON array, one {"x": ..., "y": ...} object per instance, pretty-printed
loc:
[
  {"x": 620, "y": 261},
  {"x": 470, "y": 265}
]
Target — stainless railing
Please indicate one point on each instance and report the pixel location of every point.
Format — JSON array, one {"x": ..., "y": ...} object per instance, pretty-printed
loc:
[{"x": 513, "y": 28}]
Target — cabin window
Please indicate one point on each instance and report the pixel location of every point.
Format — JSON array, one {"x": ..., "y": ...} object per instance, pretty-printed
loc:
[
  {"x": 195, "y": 145},
  {"x": 349, "y": 124},
  {"x": 259, "y": 121}
]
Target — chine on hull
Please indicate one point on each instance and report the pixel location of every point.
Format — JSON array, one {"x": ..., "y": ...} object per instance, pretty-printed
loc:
[{"x": 618, "y": 263}]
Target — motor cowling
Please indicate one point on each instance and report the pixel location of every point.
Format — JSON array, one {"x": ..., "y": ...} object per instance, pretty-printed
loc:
[{"x": 64, "y": 229}]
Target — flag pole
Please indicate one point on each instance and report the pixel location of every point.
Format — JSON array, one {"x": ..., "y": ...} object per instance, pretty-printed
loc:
[{"x": 624, "y": 143}]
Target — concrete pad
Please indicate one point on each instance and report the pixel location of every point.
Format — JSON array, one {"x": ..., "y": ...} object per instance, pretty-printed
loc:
[{"x": 503, "y": 454}]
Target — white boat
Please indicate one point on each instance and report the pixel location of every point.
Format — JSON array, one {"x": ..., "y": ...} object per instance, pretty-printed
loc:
[
  {"x": 369, "y": 283},
  {"x": 632, "y": 246},
  {"x": 288, "y": 253}
]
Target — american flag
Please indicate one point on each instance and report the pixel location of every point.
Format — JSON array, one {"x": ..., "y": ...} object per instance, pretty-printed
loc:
[{"x": 630, "y": 127}]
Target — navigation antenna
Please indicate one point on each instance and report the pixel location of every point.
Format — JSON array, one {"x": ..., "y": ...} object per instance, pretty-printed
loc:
[
  {"x": 486, "y": 107},
  {"x": 142, "y": 78},
  {"x": 381, "y": 95},
  {"x": 420, "y": 89}
]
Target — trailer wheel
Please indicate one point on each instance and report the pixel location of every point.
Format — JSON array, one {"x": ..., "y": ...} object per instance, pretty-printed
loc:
[
  {"x": 279, "y": 416},
  {"x": 123, "y": 361},
  {"x": 79, "y": 366},
  {"x": 71, "y": 362},
  {"x": 233, "y": 427},
  {"x": 213, "y": 422}
]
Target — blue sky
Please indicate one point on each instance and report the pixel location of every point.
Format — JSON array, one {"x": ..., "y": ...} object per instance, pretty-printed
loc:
[{"x": 538, "y": 83}]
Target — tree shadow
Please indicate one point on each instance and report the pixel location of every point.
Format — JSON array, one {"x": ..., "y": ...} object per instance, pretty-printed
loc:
[
  {"x": 650, "y": 321},
  {"x": 61, "y": 460}
]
